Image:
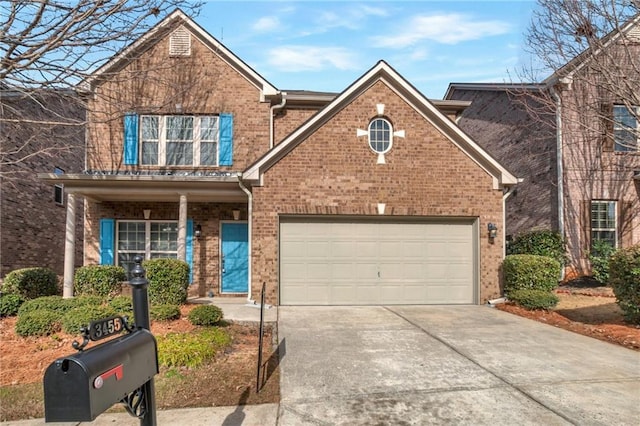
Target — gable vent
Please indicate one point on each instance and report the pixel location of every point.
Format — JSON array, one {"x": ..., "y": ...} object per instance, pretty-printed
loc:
[
  {"x": 634, "y": 34},
  {"x": 180, "y": 43}
]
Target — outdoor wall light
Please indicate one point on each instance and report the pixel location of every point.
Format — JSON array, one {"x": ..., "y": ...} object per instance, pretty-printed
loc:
[
  {"x": 198, "y": 231},
  {"x": 147, "y": 214},
  {"x": 236, "y": 214},
  {"x": 493, "y": 230}
]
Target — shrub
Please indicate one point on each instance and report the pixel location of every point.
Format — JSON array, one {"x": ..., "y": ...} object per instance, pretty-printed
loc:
[
  {"x": 122, "y": 304},
  {"x": 81, "y": 316},
  {"x": 599, "y": 256},
  {"x": 99, "y": 280},
  {"x": 534, "y": 299},
  {"x": 164, "y": 312},
  {"x": 54, "y": 304},
  {"x": 528, "y": 271},
  {"x": 37, "y": 323},
  {"x": 541, "y": 243},
  {"x": 31, "y": 283},
  {"x": 9, "y": 304},
  {"x": 87, "y": 301},
  {"x": 206, "y": 315},
  {"x": 191, "y": 349},
  {"x": 168, "y": 281},
  {"x": 625, "y": 280}
]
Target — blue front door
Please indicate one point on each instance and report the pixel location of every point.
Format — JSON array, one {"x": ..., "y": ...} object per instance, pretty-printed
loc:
[{"x": 234, "y": 261}]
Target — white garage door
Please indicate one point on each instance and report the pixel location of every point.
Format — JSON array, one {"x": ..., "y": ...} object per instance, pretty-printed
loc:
[{"x": 376, "y": 263}]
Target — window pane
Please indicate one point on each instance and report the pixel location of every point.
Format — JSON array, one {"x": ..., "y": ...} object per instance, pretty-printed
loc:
[
  {"x": 131, "y": 236},
  {"x": 625, "y": 129},
  {"x": 150, "y": 128},
  {"x": 208, "y": 154},
  {"x": 179, "y": 153},
  {"x": 164, "y": 236},
  {"x": 603, "y": 222},
  {"x": 209, "y": 128},
  {"x": 149, "y": 152},
  {"x": 179, "y": 128},
  {"x": 380, "y": 135}
]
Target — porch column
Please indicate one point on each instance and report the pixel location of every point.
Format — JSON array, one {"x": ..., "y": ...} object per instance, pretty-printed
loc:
[
  {"x": 182, "y": 228},
  {"x": 69, "y": 247}
]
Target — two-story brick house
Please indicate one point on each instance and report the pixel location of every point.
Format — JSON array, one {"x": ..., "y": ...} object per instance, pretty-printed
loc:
[
  {"x": 575, "y": 140},
  {"x": 370, "y": 196}
]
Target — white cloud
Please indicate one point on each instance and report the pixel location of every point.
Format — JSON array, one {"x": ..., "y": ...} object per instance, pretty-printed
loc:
[
  {"x": 311, "y": 58},
  {"x": 266, "y": 24},
  {"x": 449, "y": 28}
]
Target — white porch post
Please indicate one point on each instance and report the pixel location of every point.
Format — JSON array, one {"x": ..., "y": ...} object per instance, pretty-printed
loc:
[
  {"x": 69, "y": 247},
  {"x": 182, "y": 228}
]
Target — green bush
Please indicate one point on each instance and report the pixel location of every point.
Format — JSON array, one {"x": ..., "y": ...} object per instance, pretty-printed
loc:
[
  {"x": 99, "y": 280},
  {"x": 48, "y": 303},
  {"x": 87, "y": 300},
  {"x": 81, "y": 316},
  {"x": 600, "y": 255},
  {"x": 31, "y": 283},
  {"x": 624, "y": 277},
  {"x": 9, "y": 304},
  {"x": 206, "y": 315},
  {"x": 168, "y": 281},
  {"x": 541, "y": 243},
  {"x": 122, "y": 304},
  {"x": 191, "y": 349},
  {"x": 534, "y": 299},
  {"x": 528, "y": 271},
  {"x": 164, "y": 312},
  {"x": 38, "y": 323}
]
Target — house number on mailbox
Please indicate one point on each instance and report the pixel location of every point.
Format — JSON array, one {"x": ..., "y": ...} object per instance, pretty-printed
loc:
[{"x": 105, "y": 327}]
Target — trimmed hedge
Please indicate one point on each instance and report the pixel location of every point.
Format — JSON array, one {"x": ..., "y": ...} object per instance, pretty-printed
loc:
[
  {"x": 624, "y": 277},
  {"x": 9, "y": 304},
  {"x": 599, "y": 256},
  {"x": 206, "y": 315},
  {"x": 122, "y": 304},
  {"x": 528, "y": 271},
  {"x": 38, "y": 323},
  {"x": 31, "y": 283},
  {"x": 99, "y": 280},
  {"x": 191, "y": 349},
  {"x": 164, "y": 312},
  {"x": 168, "y": 281},
  {"x": 534, "y": 299},
  {"x": 48, "y": 303},
  {"x": 541, "y": 243},
  {"x": 81, "y": 316}
]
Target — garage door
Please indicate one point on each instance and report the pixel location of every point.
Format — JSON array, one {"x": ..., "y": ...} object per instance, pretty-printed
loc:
[{"x": 374, "y": 263}]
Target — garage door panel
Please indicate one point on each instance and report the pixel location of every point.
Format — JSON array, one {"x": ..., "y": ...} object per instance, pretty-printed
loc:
[{"x": 376, "y": 263}]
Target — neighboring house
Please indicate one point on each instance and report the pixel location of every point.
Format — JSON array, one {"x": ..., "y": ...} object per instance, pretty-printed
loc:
[
  {"x": 42, "y": 132},
  {"x": 370, "y": 196},
  {"x": 574, "y": 140}
]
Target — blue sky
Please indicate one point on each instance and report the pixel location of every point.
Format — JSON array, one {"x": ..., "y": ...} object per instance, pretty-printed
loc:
[{"x": 326, "y": 45}]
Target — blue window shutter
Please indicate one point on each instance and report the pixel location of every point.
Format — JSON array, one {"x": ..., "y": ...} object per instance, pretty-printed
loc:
[
  {"x": 226, "y": 139},
  {"x": 189, "y": 249},
  {"x": 107, "y": 241},
  {"x": 131, "y": 139}
]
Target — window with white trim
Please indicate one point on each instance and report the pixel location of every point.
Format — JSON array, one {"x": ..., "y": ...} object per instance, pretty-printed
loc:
[
  {"x": 179, "y": 140},
  {"x": 149, "y": 239},
  {"x": 626, "y": 129},
  {"x": 380, "y": 135},
  {"x": 603, "y": 222},
  {"x": 58, "y": 188}
]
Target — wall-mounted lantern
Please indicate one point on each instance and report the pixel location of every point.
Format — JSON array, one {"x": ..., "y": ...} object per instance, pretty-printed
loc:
[
  {"x": 147, "y": 214},
  {"x": 493, "y": 230},
  {"x": 198, "y": 231},
  {"x": 236, "y": 214}
]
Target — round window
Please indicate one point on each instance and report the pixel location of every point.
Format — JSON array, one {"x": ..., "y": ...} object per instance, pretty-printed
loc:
[{"x": 380, "y": 135}]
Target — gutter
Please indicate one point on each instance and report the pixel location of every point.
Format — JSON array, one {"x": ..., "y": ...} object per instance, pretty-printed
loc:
[
  {"x": 272, "y": 121},
  {"x": 560, "y": 170},
  {"x": 249, "y": 231}
]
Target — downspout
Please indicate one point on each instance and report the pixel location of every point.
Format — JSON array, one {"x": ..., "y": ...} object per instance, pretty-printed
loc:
[
  {"x": 272, "y": 121},
  {"x": 506, "y": 195},
  {"x": 559, "y": 166},
  {"x": 249, "y": 231}
]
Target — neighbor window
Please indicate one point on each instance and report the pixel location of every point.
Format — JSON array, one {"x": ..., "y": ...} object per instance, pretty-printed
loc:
[
  {"x": 626, "y": 131},
  {"x": 179, "y": 140},
  {"x": 603, "y": 222},
  {"x": 149, "y": 239},
  {"x": 58, "y": 188},
  {"x": 380, "y": 135}
]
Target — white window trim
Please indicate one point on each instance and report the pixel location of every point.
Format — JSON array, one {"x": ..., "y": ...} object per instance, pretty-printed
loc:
[
  {"x": 616, "y": 126},
  {"x": 390, "y": 135},
  {"x": 615, "y": 220},
  {"x": 147, "y": 238},
  {"x": 162, "y": 141}
]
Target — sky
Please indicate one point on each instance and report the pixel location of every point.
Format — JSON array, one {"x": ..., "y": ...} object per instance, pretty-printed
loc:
[{"x": 327, "y": 45}]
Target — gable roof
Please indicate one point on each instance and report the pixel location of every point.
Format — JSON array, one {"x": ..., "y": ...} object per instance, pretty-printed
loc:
[
  {"x": 382, "y": 72},
  {"x": 164, "y": 27}
]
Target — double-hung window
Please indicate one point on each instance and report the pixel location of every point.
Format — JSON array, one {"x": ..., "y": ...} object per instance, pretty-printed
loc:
[
  {"x": 179, "y": 140},
  {"x": 626, "y": 129},
  {"x": 603, "y": 222},
  {"x": 149, "y": 239}
]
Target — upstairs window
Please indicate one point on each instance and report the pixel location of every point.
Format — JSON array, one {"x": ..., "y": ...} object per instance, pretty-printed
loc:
[
  {"x": 380, "y": 135},
  {"x": 179, "y": 140},
  {"x": 603, "y": 222},
  {"x": 58, "y": 188},
  {"x": 626, "y": 131}
]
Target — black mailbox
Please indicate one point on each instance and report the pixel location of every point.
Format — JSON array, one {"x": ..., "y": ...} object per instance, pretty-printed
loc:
[{"x": 81, "y": 386}]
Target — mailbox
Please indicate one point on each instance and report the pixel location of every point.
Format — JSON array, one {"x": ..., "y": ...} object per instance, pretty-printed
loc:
[{"x": 81, "y": 386}]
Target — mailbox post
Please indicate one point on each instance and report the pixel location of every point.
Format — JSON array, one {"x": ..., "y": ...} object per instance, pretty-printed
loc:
[{"x": 140, "y": 299}]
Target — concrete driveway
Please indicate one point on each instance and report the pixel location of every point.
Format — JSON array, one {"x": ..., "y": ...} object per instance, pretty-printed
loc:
[{"x": 448, "y": 365}]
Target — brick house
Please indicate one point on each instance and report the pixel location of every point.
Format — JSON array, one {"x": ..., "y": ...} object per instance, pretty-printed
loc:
[
  {"x": 42, "y": 132},
  {"x": 370, "y": 196},
  {"x": 575, "y": 141}
]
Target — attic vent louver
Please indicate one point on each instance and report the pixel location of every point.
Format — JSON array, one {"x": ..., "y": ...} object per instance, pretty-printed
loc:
[
  {"x": 180, "y": 43},
  {"x": 634, "y": 34}
]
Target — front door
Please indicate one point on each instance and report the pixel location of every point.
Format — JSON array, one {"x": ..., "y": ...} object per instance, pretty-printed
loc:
[{"x": 234, "y": 260}]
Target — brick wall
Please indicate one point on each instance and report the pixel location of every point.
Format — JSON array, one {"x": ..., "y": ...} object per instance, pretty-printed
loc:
[{"x": 334, "y": 172}]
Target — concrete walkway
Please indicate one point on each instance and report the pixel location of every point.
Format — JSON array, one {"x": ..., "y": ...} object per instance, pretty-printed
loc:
[{"x": 470, "y": 365}]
